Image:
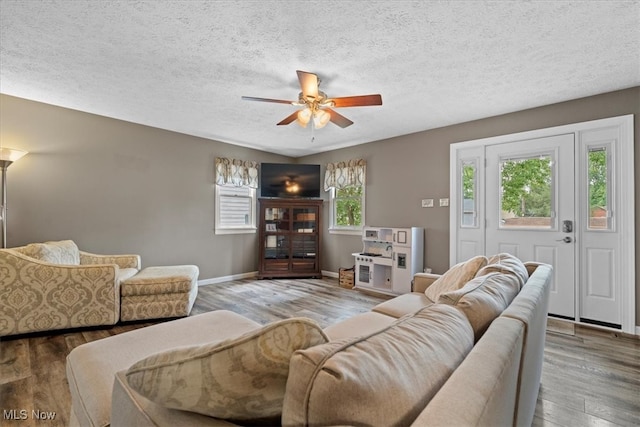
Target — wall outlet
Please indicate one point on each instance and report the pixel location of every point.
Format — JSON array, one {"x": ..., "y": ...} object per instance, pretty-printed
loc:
[
  {"x": 427, "y": 203},
  {"x": 444, "y": 202}
]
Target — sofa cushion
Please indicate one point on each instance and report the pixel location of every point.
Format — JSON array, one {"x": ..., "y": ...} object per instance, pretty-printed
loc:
[
  {"x": 456, "y": 277},
  {"x": 403, "y": 304},
  {"x": 62, "y": 252},
  {"x": 384, "y": 378},
  {"x": 356, "y": 326},
  {"x": 239, "y": 379},
  {"x": 505, "y": 263},
  {"x": 483, "y": 299}
]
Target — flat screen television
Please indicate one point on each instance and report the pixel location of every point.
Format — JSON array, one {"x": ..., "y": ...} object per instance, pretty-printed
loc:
[{"x": 289, "y": 180}]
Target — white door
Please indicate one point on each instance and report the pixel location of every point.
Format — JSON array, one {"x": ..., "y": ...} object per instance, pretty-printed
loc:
[
  {"x": 530, "y": 209},
  {"x": 589, "y": 168},
  {"x": 600, "y": 255}
]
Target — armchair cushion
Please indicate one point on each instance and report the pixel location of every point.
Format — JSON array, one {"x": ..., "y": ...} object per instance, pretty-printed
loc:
[
  {"x": 122, "y": 261},
  {"x": 64, "y": 252}
]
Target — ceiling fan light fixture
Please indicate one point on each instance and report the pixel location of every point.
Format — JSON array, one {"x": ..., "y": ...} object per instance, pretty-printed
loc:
[
  {"x": 304, "y": 116},
  {"x": 321, "y": 118}
]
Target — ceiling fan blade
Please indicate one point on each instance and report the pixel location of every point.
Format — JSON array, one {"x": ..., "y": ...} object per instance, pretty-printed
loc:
[
  {"x": 290, "y": 118},
  {"x": 357, "y": 101},
  {"x": 308, "y": 84},
  {"x": 338, "y": 119},
  {"x": 279, "y": 101}
]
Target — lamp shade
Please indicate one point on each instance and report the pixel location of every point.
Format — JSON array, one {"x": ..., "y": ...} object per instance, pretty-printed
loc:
[
  {"x": 304, "y": 116},
  {"x": 10, "y": 154},
  {"x": 320, "y": 119}
]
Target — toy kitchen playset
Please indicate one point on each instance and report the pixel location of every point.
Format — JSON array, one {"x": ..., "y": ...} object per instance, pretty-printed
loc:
[{"x": 389, "y": 259}]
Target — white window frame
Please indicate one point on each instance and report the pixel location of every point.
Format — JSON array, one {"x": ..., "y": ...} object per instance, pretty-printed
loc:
[
  {"x": 245, "y": 229},
  {"x": 341, "y": 229}
]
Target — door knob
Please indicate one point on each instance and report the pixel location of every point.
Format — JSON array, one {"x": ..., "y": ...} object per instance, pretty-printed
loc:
[{"x": 566, "y": 240}]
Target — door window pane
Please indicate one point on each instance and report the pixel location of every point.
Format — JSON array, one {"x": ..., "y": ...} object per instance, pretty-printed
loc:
[
  {"x": 469, "y": 216},
  {"x": 598, "y": 185},
  {"x": 525, "y": 192}
]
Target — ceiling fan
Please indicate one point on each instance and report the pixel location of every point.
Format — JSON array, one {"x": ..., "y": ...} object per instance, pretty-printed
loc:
[{"x": 318, "y": 108}]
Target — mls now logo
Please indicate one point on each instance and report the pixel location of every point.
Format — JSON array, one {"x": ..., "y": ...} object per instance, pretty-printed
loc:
[
  {"x": 23, "y": 414},
  {"x": 15, "y": 414}
]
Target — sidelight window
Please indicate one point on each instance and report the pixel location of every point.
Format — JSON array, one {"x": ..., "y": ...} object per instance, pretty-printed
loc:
[
  {"x": 469, "y": 194},
  {"x": 599, "y": 191}
]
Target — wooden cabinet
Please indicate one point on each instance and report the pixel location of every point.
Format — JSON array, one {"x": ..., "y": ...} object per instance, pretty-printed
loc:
[{"x": 289, "y": 233}]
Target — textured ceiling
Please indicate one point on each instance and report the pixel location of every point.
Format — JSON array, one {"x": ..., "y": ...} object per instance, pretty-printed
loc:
[{"x": 183, "y": 65}]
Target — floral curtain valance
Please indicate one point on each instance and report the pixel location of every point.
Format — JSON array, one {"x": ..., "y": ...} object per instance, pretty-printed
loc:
[
  {"x": 345, "y": 174},
  {"x": 239, "y": 173}
]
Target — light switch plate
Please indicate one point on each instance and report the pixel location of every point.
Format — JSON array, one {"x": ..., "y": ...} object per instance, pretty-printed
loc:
[
  {"x": 444, "y": 202},
  {"x": 427, "y": 203}
]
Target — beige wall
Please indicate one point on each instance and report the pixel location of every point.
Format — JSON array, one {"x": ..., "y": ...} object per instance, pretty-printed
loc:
[
  {"x": 115, "y": 187},
  {"x": 401, "y": 171}
]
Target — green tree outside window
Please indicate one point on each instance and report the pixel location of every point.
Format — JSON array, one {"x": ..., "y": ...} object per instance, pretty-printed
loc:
[{"x": 348, "y": 207}]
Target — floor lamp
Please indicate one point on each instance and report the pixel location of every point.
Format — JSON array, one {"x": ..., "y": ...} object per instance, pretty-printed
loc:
[{"x": 7, "y": 156}]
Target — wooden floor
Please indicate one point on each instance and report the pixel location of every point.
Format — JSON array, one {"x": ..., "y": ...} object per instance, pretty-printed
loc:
[{"x": 589, "y": 377}]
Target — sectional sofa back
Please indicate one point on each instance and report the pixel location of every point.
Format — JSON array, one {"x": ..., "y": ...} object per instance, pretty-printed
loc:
[
  {"x": 499, "y": 380},
  {"x": 531, "y": 307}
]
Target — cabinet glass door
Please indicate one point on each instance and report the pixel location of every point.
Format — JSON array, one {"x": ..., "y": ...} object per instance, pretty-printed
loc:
[
  {"x": 304, "y": 220},
  {"x": 276, "y": 219}
]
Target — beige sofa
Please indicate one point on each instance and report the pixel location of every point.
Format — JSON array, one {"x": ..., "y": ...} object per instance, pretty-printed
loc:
[
  {"x": 54, "y": 285},
  {"x": 465, "y": 348}
]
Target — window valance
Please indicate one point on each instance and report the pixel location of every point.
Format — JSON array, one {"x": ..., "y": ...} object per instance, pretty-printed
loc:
[
  {"x": 239, "y": 173},
  {"x": 345, "y": 174}
]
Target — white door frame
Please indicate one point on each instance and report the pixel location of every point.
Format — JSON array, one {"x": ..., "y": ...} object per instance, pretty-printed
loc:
[{"x": 625, "y": 187}]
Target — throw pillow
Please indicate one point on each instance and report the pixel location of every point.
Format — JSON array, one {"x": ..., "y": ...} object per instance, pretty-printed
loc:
[
  {"x": 64, "y": 252},
  {"x": 483, "y": 299},
  {"x": 239, "y": 379},
  {"x": 384, "y": 378},
  {"x": 456, "y": 277},
  {"x": 508, "y": 264}
]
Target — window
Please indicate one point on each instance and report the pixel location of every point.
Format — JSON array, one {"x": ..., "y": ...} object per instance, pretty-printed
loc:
[
  {"x": 235, "y": 209},
  {"x": 346, "y": 183},
  {"x": 526, "y": 192},
  {"x": 469, "y": 214},
  {"x": 598, "y": 184},
  {"x": 347, "y": 208}
]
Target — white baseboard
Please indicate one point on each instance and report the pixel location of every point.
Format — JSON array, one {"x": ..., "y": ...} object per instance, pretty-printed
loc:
[
  {"x": 214, "y": 280},
  {"x": 330, "y": 274},
  {"x": 249, "y": 275},
  {"x": 638, "y": 330}
]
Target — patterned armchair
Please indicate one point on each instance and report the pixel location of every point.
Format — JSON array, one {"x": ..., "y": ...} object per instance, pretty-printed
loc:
[{"x": 54, "y": 285}]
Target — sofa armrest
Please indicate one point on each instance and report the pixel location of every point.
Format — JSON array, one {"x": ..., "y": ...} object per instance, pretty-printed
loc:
[
  {"x": 122, "y": 261},
  {"x": 421, "y": 281}
]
